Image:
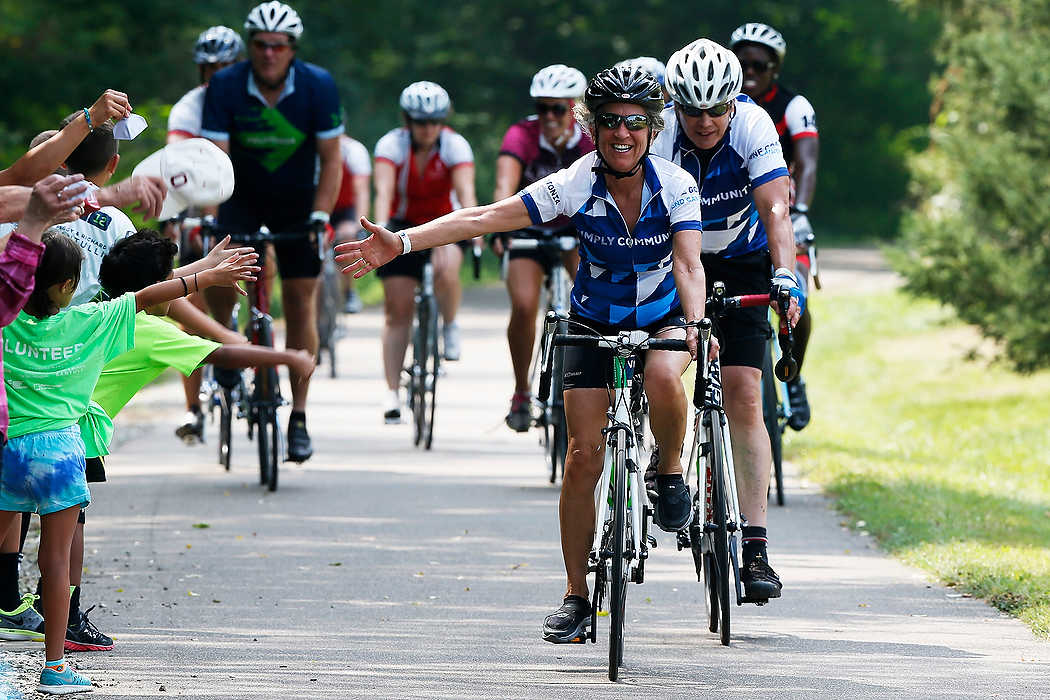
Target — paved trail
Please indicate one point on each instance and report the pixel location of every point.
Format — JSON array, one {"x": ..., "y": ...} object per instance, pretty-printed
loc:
[{"x": 381, "y": 571}]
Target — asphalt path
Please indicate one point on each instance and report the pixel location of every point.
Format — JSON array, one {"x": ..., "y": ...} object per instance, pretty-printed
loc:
[{"x": 379, "y": 570}]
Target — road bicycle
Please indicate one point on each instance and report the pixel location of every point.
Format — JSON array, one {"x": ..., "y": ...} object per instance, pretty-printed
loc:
[
  {"x": 549, "y": 409},
  {"x": 329, "y": 310},
  {"x": 259, "y": 403},
  {"x": 622, "y": 539},
  {"x": 713, "y": 536},
  {"x": 422, "y": 373}
]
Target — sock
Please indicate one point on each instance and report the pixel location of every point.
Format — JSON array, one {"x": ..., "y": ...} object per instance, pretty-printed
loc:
[
  {"x": 57, "y": 664},
  {"x": 74, "y": 605},
  {"x": 9, "y": 599},
  {"x": 754, "y": 542},
  {"x": 297, "y": 416}
]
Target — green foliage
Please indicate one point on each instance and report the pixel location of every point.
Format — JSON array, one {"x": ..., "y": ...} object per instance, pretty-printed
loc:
[
  {"x": 979, "y": 235},
  {"x": 864, "y": 66}
]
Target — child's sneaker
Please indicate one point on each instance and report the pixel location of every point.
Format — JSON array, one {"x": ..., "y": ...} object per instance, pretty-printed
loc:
[
  {"x": 23, "y": 624},
  {"x": 63, "y": 680},
  {"x": 84, "y": 636}
]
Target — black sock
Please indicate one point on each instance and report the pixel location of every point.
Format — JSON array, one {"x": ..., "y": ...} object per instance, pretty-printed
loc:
[
  {"x": 297, "y": 415},
  {"x": 754, "y": 542},
  {"x": 26, "y": 517},
  {"x": 9, "y": 598},
  {"x": 74, "y": 607}
]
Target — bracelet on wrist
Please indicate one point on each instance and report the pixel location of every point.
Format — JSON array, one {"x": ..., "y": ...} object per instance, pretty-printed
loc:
[
  {"x": 185, "y": 289},
  {"x": 406, "y": 242},
  {"x": 87, "y": 117}
]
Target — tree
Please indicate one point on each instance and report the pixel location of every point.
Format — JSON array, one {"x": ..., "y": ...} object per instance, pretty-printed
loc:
[{"x": 978, "y": 237}]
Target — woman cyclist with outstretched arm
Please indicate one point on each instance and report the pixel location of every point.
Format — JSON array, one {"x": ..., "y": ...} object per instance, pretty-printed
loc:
[{"x": 638, "y": 218}]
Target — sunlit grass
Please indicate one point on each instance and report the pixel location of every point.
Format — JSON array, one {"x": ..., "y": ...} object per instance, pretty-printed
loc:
[{"x": 943, "y": 453}]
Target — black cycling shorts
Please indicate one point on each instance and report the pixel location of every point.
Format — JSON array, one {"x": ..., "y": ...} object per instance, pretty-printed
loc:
[
  {"x": 742, "y": 333},
  {"x": 341, "y": 215},
  {"x": 410, "y": 265},
  {"x": 591, "y": 368},
  {"x": 285, "y": 213},
  {"x": 546, "y": 259}
]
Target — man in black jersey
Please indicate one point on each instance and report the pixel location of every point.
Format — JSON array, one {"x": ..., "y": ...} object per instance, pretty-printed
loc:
[{"x": 760, "y": 49}]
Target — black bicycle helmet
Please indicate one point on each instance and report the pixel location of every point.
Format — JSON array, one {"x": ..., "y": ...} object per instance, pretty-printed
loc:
[
  {"x": 628, "y": 83},
  {"x": 624, "y": 84}
]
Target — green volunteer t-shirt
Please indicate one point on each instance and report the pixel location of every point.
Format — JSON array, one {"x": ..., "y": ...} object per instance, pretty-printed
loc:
[
  {"x": 51, "y": 364},
  {"x": 158, "y": 345}
]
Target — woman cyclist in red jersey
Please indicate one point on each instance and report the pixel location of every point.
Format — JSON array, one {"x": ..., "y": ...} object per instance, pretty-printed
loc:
[
  {"x": 532, "y": 149},
  {"x": 423, "y": 170}
]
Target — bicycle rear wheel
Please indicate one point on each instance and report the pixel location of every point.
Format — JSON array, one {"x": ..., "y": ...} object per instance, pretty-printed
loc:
[
  {"x": 620, "y": 568},
  {"x": 559, "y": 442},
  {"x": 720, "y": 533},
  {"x": 418, "y": 372},
  {"x": 771, "y": 416},
  {"x": 225, "y": 427}
]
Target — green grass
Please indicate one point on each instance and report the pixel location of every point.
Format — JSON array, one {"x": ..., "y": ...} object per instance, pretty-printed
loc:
[{"x": 943, "y": 453}]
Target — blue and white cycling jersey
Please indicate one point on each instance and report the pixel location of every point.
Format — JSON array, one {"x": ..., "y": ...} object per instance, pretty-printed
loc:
[
  {"x": 624, "y": 279},
  {"x": 273, "y": 149},
  {"x": 750, "y": 155}
]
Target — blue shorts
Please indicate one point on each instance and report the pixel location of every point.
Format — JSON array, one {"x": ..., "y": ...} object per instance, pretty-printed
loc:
[{"x": 44, "y": 472}]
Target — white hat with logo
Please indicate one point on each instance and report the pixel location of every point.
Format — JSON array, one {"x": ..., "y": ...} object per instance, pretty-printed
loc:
[{"x": 195, "y": 172}]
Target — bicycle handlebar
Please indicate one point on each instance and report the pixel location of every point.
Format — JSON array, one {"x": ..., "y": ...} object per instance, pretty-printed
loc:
[{"x": 672, "y": 344}]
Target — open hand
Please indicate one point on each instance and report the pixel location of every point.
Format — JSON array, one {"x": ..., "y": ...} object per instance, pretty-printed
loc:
[
  {"x": 360, "y": 257},
  {"x": 220, "y": 252},
  {"x": 302, "y": 364},
  {"x": 147, "y": 192},
  {"x": 232, "y": 270},
  {"x": 54, "y": 200}
]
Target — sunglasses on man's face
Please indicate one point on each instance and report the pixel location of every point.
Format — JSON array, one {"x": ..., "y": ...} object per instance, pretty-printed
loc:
[
  {"x": 275, "y": 46},
  {"x": 558, "y": 109},
  {"x": 426, "y": 122},
  {"x": 756, "y": 66},
  {"x": 717, "y": 110},
  {"x": 633, "y": 122}
]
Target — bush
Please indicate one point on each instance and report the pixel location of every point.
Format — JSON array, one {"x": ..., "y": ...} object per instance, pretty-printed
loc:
[{"x": 978, "y": 237}]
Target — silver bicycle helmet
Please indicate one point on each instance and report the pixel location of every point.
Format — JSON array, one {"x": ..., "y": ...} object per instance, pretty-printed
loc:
[
  {"x": 758, "y": 33},
  {"x": 703, "y": 74},
  {"x": 559, "y": 81},
  {"x": 274, "y": 17},
  {"x": 425, "y": 100},
  {"x": 653, "y": 65},
  {"x": 217, "y": 45}
]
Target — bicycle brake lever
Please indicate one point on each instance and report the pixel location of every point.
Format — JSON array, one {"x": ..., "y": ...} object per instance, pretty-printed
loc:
[{"x": 786, "y": 368}]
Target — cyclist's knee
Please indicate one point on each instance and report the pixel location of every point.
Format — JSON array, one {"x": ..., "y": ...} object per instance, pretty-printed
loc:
[
  {"x": 662, "y": 382},
  {"x": 584, "y": 460}
]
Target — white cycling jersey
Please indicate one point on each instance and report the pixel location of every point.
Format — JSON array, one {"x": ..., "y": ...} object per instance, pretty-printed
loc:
[{"x": 185, "y": 115}]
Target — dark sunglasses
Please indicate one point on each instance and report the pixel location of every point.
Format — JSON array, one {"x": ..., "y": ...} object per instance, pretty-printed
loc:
[
  {"x": 633, "y": 122},
  {"x": 276, "y": 46},
  {"x": 715, "y": 111},
  {"x": 757, "y": 66},
  {"x": 557, "y": 110},
  {"x": 426, "y": 122}
]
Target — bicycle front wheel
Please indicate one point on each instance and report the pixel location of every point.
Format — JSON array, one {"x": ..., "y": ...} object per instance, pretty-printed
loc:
[
  {"x": 418, "y": 372},
  {"x": 433, "y": 366},
  {"x": 225, "y": 427},
  {"x": 720, "y": 531},
  {"x": 620, "y": 568},
  {"x": 559, "y": 443}
]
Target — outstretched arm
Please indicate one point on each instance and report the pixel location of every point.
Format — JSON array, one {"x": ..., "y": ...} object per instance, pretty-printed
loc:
[
  {"x": 242, "y": 355},
  {"x": 225, "y": 274},
  {"x": 358, "y": 257}
]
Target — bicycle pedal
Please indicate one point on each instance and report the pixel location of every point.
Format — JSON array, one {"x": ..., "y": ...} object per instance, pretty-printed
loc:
[
  {"x": 759, "y": 602},
  {"x": 651, "y": 539}
]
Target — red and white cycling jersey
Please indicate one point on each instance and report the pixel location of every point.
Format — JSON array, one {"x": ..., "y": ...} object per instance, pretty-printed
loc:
[
  {"x": 420, "y": 197},
  {"x": 355, "y": 162},
  {"x": 793, "y": 116},
  {"x": 185, "y": 116}
]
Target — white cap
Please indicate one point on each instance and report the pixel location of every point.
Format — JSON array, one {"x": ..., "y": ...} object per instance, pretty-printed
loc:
[{"x": 195, "y": 172}]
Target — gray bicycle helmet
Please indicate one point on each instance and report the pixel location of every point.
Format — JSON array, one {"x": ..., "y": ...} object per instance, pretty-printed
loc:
[
  {"x": 762, "y": 34},
  {"x": 217, "y": 45},
  {"x": 274, "y": 17},
  {"x": 425, "y": 100}
]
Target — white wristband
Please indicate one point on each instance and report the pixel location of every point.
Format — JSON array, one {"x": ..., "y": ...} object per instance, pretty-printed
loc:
[
  {"x": 406, "y": 242},
  {"x": 784, "y": 272}
]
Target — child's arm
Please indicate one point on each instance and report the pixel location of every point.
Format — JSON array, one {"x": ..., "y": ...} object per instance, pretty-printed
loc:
[
  {"x": 225, "y": 274},
  {"x": 243, "y": 355},
  {"x": 215, "y": 256}
]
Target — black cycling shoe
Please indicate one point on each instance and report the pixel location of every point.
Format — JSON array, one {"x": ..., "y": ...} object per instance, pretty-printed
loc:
[
  {"x": 300, "y": 448},
  {"x": 569, "y": 622},
  {"x": 673, "y": 506},
  {"x": 760, "y": 581},
  {"x": 799, "y": 404}
]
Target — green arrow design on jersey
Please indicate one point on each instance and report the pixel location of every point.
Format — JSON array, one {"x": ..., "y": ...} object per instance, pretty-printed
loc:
[{"x": 274, "y": 146}]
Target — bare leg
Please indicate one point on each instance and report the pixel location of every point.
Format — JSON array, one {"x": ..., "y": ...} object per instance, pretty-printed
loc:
[
  {"x": 668, "y": 408},
  {"x": 300, "y": 313},
  {"x": 398, "y": 303},
  {"x": 56, "y": 536},
  {"x": 447, "y": 287},
  {"x": 524, "y": 277},
  {"x": 751, "y": 451},
  {"x": 585, "y": 418}
]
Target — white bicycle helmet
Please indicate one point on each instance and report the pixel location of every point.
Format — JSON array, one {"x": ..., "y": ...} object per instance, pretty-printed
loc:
[
  {"x": 217, "y": 45},
  {"x": 758, "y": 33},
  {"x": 703, "y": 74},
  {"x": 653, "y": 65},
  {"x": 274, "y": 17},
  {"x": 425, "y": 100},
  {"x": 558, "y": 81}
]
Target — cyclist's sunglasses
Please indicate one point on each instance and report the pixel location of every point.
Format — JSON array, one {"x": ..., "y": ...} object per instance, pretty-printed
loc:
[
  {"x": 426, "y": 122},
  {"x": 557, "y": 109},
  {"x": 717, "y": 110},
  {"x": 633, "y": 122},
  {"x": 757, "y": 66},
  {"x": 275, "y": 46}
]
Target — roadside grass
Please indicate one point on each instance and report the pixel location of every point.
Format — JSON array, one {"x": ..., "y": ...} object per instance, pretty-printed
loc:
[{"x": 941, "y": 452}]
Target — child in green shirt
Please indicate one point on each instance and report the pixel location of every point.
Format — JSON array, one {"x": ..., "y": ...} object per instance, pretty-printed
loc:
[{"x": 53, "y": 357}]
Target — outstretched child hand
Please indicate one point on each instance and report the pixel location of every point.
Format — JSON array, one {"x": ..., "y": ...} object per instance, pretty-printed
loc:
[
  {"x": 302, "y": 364},
  {"x": 229, "y": 272},
  {"x": 220, "y": 252}
]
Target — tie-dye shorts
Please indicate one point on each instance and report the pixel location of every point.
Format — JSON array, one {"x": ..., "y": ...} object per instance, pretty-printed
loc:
[{"x": 44, "y": 472}]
